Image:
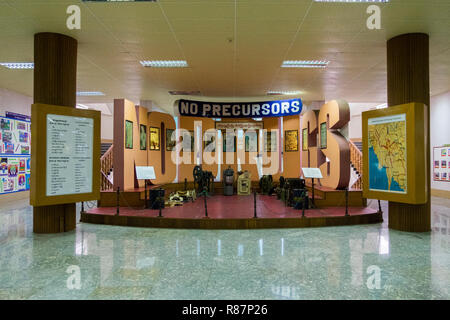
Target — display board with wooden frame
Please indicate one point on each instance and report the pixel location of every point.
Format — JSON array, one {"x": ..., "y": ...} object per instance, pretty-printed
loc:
[
  {"x": 170, "y": 143},
  {"x": 38, "y": 180},
  {"x": 415, "y": 189},
  {"x": 323, "y": 135},
  {"x": 305, "y": 139}
]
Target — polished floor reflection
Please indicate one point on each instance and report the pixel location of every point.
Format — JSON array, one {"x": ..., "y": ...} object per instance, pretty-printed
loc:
[{"x": 107, "y": 262}]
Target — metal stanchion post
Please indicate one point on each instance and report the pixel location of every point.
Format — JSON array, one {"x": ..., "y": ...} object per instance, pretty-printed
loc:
[
  {"x": 206, "y": 206},
  {"x": 118, "y": 201},
  {"x": 379, "y": 206},
  {"x": 304, "y": 204},
  {"x": 254, "y": 205},
  {"x": 145, "y": 190},
  {"x": 160, "y": 202},
  {"x": 346, "y": 202}
]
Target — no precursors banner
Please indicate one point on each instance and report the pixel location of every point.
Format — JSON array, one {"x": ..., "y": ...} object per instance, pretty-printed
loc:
[{"x": 279, "y": 108}]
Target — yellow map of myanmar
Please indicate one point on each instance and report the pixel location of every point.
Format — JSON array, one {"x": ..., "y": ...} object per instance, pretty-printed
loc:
[{"x": 387, "y": 153}]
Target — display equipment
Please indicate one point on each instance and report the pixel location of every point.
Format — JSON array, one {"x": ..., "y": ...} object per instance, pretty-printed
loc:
[
  {"x": 441, "y": 167},
  {"x": 154, "y": 138},
  {"x": 67, "y": 154},
  {"x": 394, "y": 154},
  {"x": 143, "y": 136},
  {"x": 251, "y": 142},
  {"x": 15, "y": 138},
  {"x": 291, "y": 140},
  {"x": 170, "y": 140},
  {"x": 128, "y": 134},
  {"x": 323, "y": 135}
]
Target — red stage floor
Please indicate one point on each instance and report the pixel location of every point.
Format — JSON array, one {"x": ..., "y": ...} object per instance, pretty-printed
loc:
[{"x": 234, "y": 207}]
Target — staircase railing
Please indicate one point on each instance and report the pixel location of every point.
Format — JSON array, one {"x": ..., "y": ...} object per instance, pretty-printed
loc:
[
  {"x": 106, "y": 164},
  {"x": 356, "y": 158}
]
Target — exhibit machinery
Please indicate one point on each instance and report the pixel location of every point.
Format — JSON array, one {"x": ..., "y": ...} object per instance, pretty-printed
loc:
[
  {"x": 228, "y": 182},
  {"x": 244, "y": 184},
  {"x": 198, "y": 169}
]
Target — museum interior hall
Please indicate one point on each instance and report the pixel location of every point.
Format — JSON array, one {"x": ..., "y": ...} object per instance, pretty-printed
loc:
[{"x": 224, "y": 150}]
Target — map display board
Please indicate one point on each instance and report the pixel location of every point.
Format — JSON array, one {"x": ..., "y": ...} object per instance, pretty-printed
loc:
[
  {"x": 394, "y": 154},
  {"x": 15, "y": 138},
  {"x": 387, "y": 153},
  {"x": 441, "y": 165},
  {"x": 66, "y": 149}
]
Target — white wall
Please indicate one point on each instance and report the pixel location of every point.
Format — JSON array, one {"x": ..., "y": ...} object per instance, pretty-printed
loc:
[
  {"x": 14, "y": 102},
  {"x": 439, "y": 130},
  {"x": 19, "y": 103}
]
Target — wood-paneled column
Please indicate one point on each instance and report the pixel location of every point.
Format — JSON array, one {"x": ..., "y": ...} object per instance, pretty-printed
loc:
[
  {"x": 55, "y": 75},
  {"x": 408, "y": 81}
]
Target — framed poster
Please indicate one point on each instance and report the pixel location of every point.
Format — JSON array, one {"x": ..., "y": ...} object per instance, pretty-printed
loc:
[
  {"x": 128, "y": 134},
  {"x": 270, "y": 141},
  {"x": 170, "y": 141},
  {"x": 187, "y": 140},
  {"x": 67, "y": 152},
  {"x": 290, "y": 140},
  {"x": 143, "y": 136},
  {"x": 209, "y": 141},
  {"x": 229, "y": 142},
  {"x": 394, "y": 155},
  {"x": 154, "y": 138},
  {"x": 323, "y": 135},
  {"x": 251, "y": 142},
  {"x": 441, "y": 160},
  {"x": 305, "y": 139}
]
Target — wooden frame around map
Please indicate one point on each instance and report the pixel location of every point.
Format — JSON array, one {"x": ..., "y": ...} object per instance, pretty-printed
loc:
[
  {"x": 416, "y": 169},
  {"x": 38, "y": 185}
]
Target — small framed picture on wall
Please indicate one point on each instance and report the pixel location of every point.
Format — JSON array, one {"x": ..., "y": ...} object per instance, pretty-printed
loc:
[
  {"x": 290, "y": 140},
  {"x": 128, "y": 134},
  {"x": 154, "y": 138},
  {"x": 170, "y": 141},
  {"x": 143, "y": 137}
]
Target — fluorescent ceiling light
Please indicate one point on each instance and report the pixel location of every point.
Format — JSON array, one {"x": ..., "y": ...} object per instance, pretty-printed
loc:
[
  {"x": 119, "y": 0},
  {"x": 90, "y": 93},
  {"x": 165, "y": 63},
  {"x": 352, "y": 1},
  {"x": 305, "y": 64},
  {"x": 283, "y": 92},
  {"x": 82, "y": 106},
  {"x": 18, "y": 65},
  {"x": 217, "y": 119},
  {"x": 257, "y": 119}
]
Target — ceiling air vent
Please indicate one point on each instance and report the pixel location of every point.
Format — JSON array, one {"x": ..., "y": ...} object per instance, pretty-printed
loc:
[{"x": 185, "y": 93}]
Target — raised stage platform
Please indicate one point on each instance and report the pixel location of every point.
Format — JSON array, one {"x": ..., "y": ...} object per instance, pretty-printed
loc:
[
  {"x": 323, "y": 197},
  {"x": 232, "y": 212}
]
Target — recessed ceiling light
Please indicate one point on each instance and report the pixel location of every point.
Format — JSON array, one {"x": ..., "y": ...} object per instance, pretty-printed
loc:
[
  {"x": 352, "y": 1},
  {"x": 90, "y": 93},
  {"x": 18, "y": 65},
  {"x": 305, "y": 64},
  {"x": 165, "y": 63},
  {"x": 283, "y": 92}
]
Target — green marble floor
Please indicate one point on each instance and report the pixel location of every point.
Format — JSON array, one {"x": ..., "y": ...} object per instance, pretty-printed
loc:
[{"x": 106, "y": 262}]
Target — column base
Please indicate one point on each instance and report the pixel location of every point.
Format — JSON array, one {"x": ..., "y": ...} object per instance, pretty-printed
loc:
[
  {"x": 409, "y": 217},
  {"x": 54, "y": 219}
]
